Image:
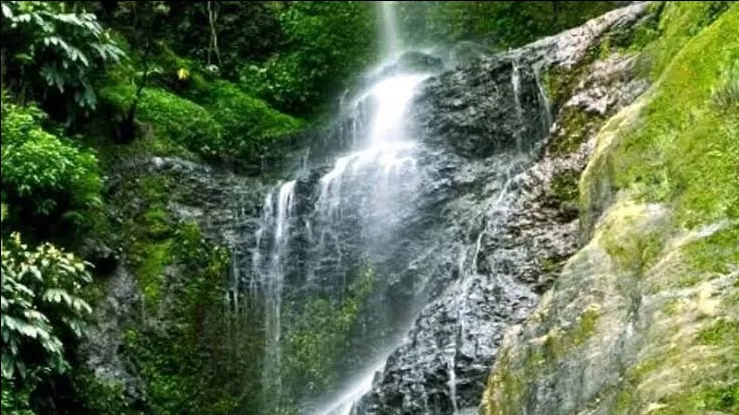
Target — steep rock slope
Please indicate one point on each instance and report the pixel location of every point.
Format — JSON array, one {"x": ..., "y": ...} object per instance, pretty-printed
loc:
[
  {"x": 513, "y": 181},
  {"x": 645, "y": 317}
]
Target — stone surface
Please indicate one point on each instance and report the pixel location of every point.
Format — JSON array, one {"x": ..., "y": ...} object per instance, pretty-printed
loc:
[
  {"x": 643, "y": 318},
  {"x": 523, "y": 232}
]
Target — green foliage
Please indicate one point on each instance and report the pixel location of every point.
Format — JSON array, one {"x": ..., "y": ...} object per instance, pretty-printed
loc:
[
  {"x": 176, "y": 359},
  {"x": 321, "y": 332},
  {"x": 42, "y": 310},
  {"x": 99, "y": 396},
  {"x": 229, "y": 125},
  {"x": 247, "y": 124},
  {"x": 677, "y": 25},
  {"x": 43, "y": 174},
  {"x": 14, "y": 401},
  {"x": 247, "y": 31},
  {"x": 183, "y": 121},
  {"x": 195, "y": 355},
  {"x": 496, "y": 24},
  {"x": 48, "y": 49},
  {"x": 326, "y": 44}
]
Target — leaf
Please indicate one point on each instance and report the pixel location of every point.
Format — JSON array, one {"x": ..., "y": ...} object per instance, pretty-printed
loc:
[
  {"x": 7, "y": 13},
  {"x": 8, "y": 364}
]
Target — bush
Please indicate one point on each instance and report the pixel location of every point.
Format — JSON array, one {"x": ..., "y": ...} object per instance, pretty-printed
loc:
[
  {"x": 497, "y": 24},
  {"x": 184, "y": 121},
  {"x": 43, "y": 174},
  {"x": 41, "y": 307},
  {"x": 247, "y": 123}
]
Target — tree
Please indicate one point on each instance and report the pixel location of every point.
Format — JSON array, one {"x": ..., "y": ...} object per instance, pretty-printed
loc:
[{"x": 144, "y": 26}]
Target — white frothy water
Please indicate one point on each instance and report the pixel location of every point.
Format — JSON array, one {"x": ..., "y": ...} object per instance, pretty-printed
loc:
[
  {"x": 388, "y": 148},
  {"x": 344, "y": 403},
  {"x": 387, "y": 152},
  {"x": 453, "y": 384},
  {"x": 377, "y": 176}
]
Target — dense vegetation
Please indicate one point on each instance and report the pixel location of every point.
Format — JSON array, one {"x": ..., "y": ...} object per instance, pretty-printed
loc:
[{"x": 88, "y": 86}]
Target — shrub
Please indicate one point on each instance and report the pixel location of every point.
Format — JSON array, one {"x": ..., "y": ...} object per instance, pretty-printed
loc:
[
  {"x": 41, "y": 306},
  {"x": 247, "y": 123},
  {"x": 184, "y": 121},
  {"x": 44, "y": 174}
]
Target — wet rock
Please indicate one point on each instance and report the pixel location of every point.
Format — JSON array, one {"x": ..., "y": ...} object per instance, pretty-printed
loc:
[
  {"x": 524, "y": 230},
  {"x": 465, "y": 53}
]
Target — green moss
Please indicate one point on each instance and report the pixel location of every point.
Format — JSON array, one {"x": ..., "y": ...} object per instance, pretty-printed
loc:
[
  {"x": 150, "y": 270},
  {"x": 565, "y": 186},
  {"x": 679, "y": 22},
  {"x": 587, "y": 325},
  {"x": 630, "y": 239},
  {"x": 577, "y": 127},
  {"x": 157, "y": 223},
  {"x": 723, "y": 331},
  {"x": 248, "y": 124},
  {"x": 559, "y": 83},
  {"x": 715, "y": 253},
  {"x": 321, "y": 331},
  {"x": 172, "y": 118},
  {"x": 549, "y": 265},
  {"x": 685, "y": 154},
  {"x": 178, "y": 358},
  {"x": 504, "y": 389}
]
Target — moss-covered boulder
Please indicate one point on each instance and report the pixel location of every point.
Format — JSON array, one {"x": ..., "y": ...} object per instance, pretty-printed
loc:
[{"x": 645, "y": 317}]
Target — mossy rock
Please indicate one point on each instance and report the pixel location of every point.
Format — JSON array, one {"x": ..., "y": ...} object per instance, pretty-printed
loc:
[{"x": 659, "y": 205}]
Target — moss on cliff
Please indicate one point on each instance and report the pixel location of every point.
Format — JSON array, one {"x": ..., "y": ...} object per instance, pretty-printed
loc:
[
  {"x": 661, "y": 215},
  {"x": 321, "y": 332}
]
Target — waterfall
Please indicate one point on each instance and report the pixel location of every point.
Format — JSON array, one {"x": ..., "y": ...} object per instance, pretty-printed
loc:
[
  {"x": 269, "y": 273},
  {"x": 389, "y": 30},
  {"x": 516, "y": 84},
  {"x": 388, "y": 197}
]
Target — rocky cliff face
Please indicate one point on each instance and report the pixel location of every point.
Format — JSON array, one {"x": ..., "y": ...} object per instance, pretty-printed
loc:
[
  {"x": 644, "y": 317},
  {"x": 483, "y": 115},
  {"x": 586, "y": 293}
]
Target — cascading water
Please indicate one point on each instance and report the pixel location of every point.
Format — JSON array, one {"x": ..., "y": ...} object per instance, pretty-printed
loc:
[
  {"x": 396, "y": 200},
  {"x": 389, "y": 31},
  {"x": 369, "y": 190}
]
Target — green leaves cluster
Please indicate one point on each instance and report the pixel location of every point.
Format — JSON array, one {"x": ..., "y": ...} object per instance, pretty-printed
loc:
[
  {"x": 495, "y": 24},
  {"x": 45, "y": 174},
  {"x": 326, "y": 45},
  {"x": 50, "y": 50},
  {"x": 247, "y": 124},
  {"x": 185, "y": 121},
  {"x": 42, "y": 308}
]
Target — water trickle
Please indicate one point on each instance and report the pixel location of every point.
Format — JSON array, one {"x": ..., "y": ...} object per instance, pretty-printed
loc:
[
  {"x": 547, "y": 112},
  {"x": 267, "y": 267},
  {"x": 453, "y": 384},
  {"x": 516, "y": 83}
]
